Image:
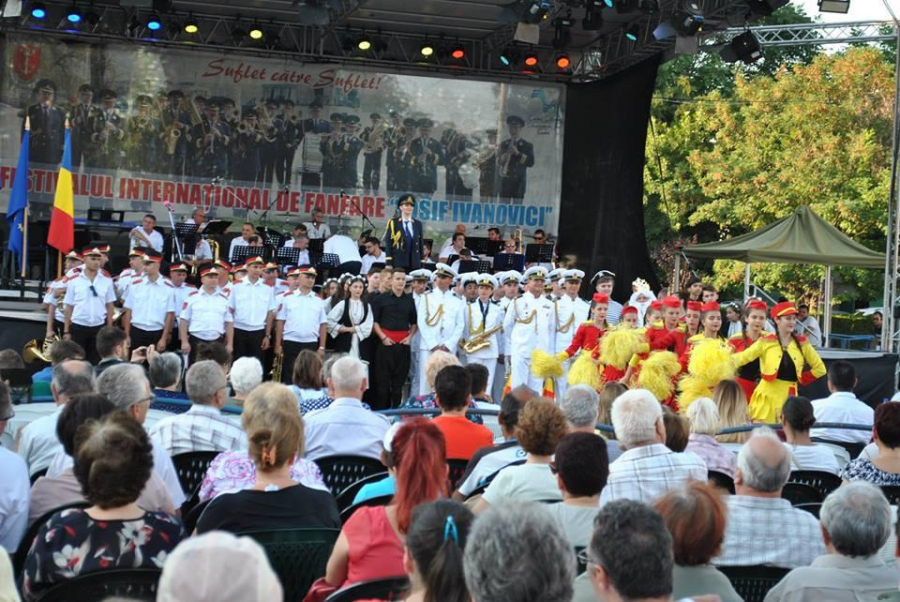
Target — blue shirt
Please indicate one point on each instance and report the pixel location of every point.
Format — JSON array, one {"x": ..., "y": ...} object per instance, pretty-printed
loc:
[
  {"x": 44, "y": 376},
  {"x": 386, "y": 486}
]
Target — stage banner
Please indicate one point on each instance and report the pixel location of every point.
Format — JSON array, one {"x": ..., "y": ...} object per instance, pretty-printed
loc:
[{"x": 269, "y": 140}]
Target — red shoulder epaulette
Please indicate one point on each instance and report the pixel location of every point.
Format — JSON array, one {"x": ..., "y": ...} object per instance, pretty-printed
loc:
[
  {"x": 169, "y": 284},
  {"x": 769, "y": 337},
  {"x": 801, "y": 339},
  {"x": 137, "y": 281},
  {"x": 105, "y": 273},
  {"x": 194, "y": 292}
]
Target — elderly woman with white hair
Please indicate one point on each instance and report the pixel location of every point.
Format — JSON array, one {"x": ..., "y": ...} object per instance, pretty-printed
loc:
[
  {"x": 246, "y": 374},
  {"x": 856, "y": 521},
  {"x": 703, "y": 416},
  {"x": 165, "y": 370}
]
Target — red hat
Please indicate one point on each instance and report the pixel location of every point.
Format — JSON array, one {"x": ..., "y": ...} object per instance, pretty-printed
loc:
[
  {"x": 73, "y": 254},
  {"x": 694, "y": 306},
  {"x": 756, "y": 304},
  {"x": 785, "y": 308},
  {"x": 252, "y": 260},
  {"x": 710, "y": 306},
  {"x": 179, "y": 267},
  {"x": 239, "y": 268},
  {"x": 224, "y": 265},
  {"x": 271, "y": 266},
  {"x": 210, "y": 271},
  {"x": 656, "y": 304},
  {"x": 91, "y": 250},
  {"x": 629, "y": 309},
  {"x": 305, "y": 269},
  {"x": 672, "y": 301},
  {"x": 601, "y": 298},
  {"x": 152, "y": 255},
  {"x": 137, "y": 252}
]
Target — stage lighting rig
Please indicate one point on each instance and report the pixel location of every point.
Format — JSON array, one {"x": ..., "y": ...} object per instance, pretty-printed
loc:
[
  {"x": 153, "y": 22},
  {"x": 593, "y": 19},
  {"x": 531, "y": 60},
  {"x": 649, "y": 6},
  {"x": 73, "y": 15},
  {"x": 364, "y": 43},
  {"x": 533, "y": 12},
  {"x": 689, "y": 18},
  {"x": 426, "y": 49},
  {"x": 745, "y": 48},
  {"x": 38, "y": 11},
  {"x": 626, "y": 6},
  {"x": 834, "y": 6},
  {"x": 563, "y": 62},
  {"x": 633, "y": 32},
  {"x": 562, "y": 35},
  {"x": 457, "y": 52},
  {"x": 508, "y": 57},
  {"x": 256, "y": 32},
  {"x": 191, "y": 25}
]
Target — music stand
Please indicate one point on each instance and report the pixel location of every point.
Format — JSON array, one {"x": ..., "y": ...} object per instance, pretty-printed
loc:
[
  {"x": 243, "y": 253},
  {"x": 493, "y": 247},
  {"x": 328, "y": 260},
  {"x": 478, "y": 266},
  {"x": 478, "y": 246},
  {"x": 505, "y": 262},
  {"x": 288, "y": 256},
  {"x": 539, "y": 253},
  {"x": 317, "y": 245},
  {"x": 271, "y": 238},
  {"x": 451, "y": 259},
  {"x": 187, "y": 234},
  {"x": 216, "y": 227}
]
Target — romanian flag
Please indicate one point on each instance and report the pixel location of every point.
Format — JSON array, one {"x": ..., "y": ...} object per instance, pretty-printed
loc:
[
  {"x": 62, "y": 221},
  {"x": 18, "y": 200}
]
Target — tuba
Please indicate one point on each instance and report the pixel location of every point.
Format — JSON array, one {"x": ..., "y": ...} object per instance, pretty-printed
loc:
[{"x": 32, "y": 353}]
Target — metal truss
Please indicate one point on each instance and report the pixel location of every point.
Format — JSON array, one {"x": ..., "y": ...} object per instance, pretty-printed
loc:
[{"x": 815, "y": 34}]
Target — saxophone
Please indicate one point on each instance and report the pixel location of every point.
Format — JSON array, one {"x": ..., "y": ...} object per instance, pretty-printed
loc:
[
  {"x": 480, "y": 341},
  {"x": 277, "y": 367}
]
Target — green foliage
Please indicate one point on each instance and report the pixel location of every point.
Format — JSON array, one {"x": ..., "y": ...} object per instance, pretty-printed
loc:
[{"x": 851, "y": 324}]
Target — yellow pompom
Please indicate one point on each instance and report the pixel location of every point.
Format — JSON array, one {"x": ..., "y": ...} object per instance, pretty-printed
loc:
[
  {"x": 545, "y": 365},
  {"x": 618, "y": 346},
  {"x": 712, "y": 361},
  {"x": 657, "y": 372},
  {"x": 562, "y": 356},
  {"x": 691, "y": 388},
  {"x": 584, "y": 371}
]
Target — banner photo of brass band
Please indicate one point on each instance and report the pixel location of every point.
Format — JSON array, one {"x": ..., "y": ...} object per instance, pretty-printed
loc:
[{"x": 247, "y": 137}]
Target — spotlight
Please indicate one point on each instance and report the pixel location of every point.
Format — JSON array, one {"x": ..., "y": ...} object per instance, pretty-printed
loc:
[
  {"x": 364, "y": 43},
  {"x": 153, "y": 22},
  {"x": 191, "y": 25},
  {"x": 562, "y": 35},
  {"x": 256, "y": 32},
  {"x": 533, "y": 11},
  {"x": 458, "y": 52},
  {"x": 834, "y": 6},
  {"x": 592, "y": 20},
  {"x": 426, "y": 49},
  {"x": 73, "y": 15},
  {"x": 633, "y": 32},
  {"x": 531, "y": 60},
  {"x": 508, "y": 57},
  {"x": 609, "y": 3},
  {"x": 38, "y": 10},
  {"x": 563, "y": 62},
  {"x": 744, "y": 48},
  {"x": 689, "y": 19}
]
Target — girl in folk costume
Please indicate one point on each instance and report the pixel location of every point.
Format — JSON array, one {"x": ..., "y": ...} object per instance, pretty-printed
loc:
[
  {"x": 708, "y": 359},
  {"x": 782, "y": 358},
  {"x": 653, "y": 314},
  {"x": 630, "y": 318},
  {"x": 350, "y": 321},
  {"x": 710, "y": 322},
  {"x": 585, "y": 370},
  {"x": 668, "y": 334},
  {"x": 620, "y": 344},
  {"x": 753, "y": 327},
  {"x": 483, "y": 329},
  {"x": 692, "y": 311}
]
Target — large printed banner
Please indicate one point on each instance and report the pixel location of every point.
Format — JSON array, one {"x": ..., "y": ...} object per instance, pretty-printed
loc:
[{"x": 271, "y": 139}]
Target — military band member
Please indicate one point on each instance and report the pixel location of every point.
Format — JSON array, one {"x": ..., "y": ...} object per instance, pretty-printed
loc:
[
  {"x": 334, "y": 152},
  {"x": 420, "y": 279},
  {"x": 81, "y": 118},
  {"x": 146, "y": 235},
  {"x": 292, "y": 124},
  {"x": 271, "y": 273},
  {"x": 508, "y": 283},
  {"x": 301, "y": 322},
  {"x": 319, "y": 127},
  {"x": 250, "y": 302},
  {"x": 354, "y": 146},
  {"x": 230, "y": 114},
  {"x": 176, "y": 135},
  {"x": 134, "y": 270},
  {"x": 374, "y": 137},
  {"x": 484, "y": 323},
  {"x": 514, "y": 157},
  {"x": 486, "y": 162},
  {"x": 392, "y": 140},
  {"x": 403, "y": 237},
  {"x": 270, "y": 146},
  {"x": 246, "y": 161},
  {"x": 56, "y": 292},
  {"x": 178, "y": 273},
  {"x": 108, "y": 138},
  {"x": 88, "y": 304},
  {"x": 571, "y": 310},
  {"x": 224, "y": 280},
  {"x": 456, "y": 153},
  {"x": 211, "y": 140},
  {"x": 439, "y": 320},
  {"x": 205, "y": 316},
  {"x": 150, "y": 307},
  {"x": 48, "y": 125},
  {"x": 142, "y": 136},
  {"x": 425, "y": 156},
  {"x": 531, "y": 322}
]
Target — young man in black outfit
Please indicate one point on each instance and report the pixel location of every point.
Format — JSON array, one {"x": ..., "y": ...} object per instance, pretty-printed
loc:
[{"x": 394, "y": 315}]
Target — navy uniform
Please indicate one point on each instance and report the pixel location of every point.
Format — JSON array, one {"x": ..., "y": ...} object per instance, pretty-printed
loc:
[
  {"x": 334, "y": 149},
  {"x": 316, "y": 126},
  {"x": 456, "y": 153},
  {"x": 108, "y": 138},
  {"x": 246, "y": 162},
  {"x": 354, "y": 146},
  {"x": 175, "y": 136},
  {"x": 81, "y": 116},
  {"x": 404, "y": 170},
  {"x": 439, "y": 321},
  {"x": 531, "y": 323},
  {"x": 484, "y": 318},
  {"x": 425, "y": 156},
  {"x": 403, "y": 242},
  {"x": 141, "y": 138},
  {"x": 211, "y": 138},
  {"x": 486, "y": 162},
  {"x": 514, "y": 158},
  {"x": 374, "y": 137},
  {"x": 292, "y": 136},
  {"x": 272, "y": 142},
  {"x": 48, "y": 126}
]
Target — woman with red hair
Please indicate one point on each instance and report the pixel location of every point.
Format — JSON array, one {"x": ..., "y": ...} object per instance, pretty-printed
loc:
[{"x": 370, "y": 545}]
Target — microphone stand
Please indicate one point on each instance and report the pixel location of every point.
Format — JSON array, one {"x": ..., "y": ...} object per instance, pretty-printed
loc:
[{"x": 363, "y": 217}]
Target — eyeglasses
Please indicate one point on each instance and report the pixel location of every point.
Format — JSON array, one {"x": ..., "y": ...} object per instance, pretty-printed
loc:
[{"x": 151, "y": 399}]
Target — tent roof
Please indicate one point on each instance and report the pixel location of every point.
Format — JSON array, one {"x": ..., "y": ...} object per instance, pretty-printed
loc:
[{"x": 802, "y": 237}]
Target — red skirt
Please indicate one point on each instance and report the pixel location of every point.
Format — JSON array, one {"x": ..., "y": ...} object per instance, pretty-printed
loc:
[{"x": 747, "y": 385}]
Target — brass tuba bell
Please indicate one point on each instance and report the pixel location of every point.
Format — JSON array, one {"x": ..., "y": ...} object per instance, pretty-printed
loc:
[{"x": 32, "y": 352}]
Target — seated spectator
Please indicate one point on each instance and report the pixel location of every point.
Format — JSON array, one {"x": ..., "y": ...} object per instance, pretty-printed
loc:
[
  {"x": 203, "y": 427},
  {"x": 704, "y": 424},
  {"x": 52, "y": 492},
  {"x": 762, "y": 527},
  {"x": 608, "y": 394},
  {"x": 14, "y": 495},
  {"x": 246, "y": 375},
  {"x": 630, "y": 556},
  {"x": 436, "y": 362},
  {"x": 677, "y": 430},
  {"x": 884, "y": 470},
  {"x": 345, "y": 428},
  {"x": 60, "y": 351},
  {"x": 452, "y": 386},
  {"x": 165, "y": 376},
  {"x": 308, "y": 385},
  {"x": 112, "y": 343},
  {"x": 216, "y": 352},
  {"x": 518, "y": 554},
  {"x": 732, "y": 404},
  {"x": 198, "y": 568},
  {"x": 113, "y": 461},
  {"x": 275, "y": 435},
  {"x": 842, "y": 406},
  {"x": 541, "y": 426},
  {"x": 433, "y": 558},
  {"x": 797, "y": 418},
  {"x": 581, "y": 404},
  {"x": 694, "y": 515},
  {"x": 647, "y": 469},
  {"x": 11, "y": 360},
  {"x": 387, "y": 485},
  {"x": 581, "y": 469},
  {"x": 370, "y": 545},
  {"x": 37, "y": 442},
  {"x": 479, "y": 376},
  {"x": 856, "y": 521},
  {"x": 8, "y": 590},
  {"x": 489, "y": 460}
]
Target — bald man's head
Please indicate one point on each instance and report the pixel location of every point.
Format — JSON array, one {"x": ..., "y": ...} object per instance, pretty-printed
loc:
[
  {"x": 764, "y": 463},
  {"x": 71, "y": 378}
]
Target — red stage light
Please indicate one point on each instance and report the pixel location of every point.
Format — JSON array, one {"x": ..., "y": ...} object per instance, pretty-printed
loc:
[
  {"x": 458, "y": 53},
  {"x": 563, "y": 62},
  {"x": 531, "y": 60}
]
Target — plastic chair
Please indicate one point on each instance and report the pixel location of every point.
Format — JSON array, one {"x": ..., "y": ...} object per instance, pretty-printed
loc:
[
  {"x": 193, "y": 516},
  {"x": 392, "y": 588},
  {"x": 133, "y": 584},
  {"x": 298, "y": 556},
  {"x": 721, "y": 480},
  {"x": 381, "y": 500},
  {"x": 457, "y": 468},
  {"x": 339, "y": 472},
  {"x": 854, "y": 449},
  {"x": 752, "y": 583},
  {"x": 825, "y": 482},
  {"x": 31, "y": 533},
  {"x": 812, "y": 508},
  {"x": 191, "y": 468},
  {"x": 798, "y": 493},
  {"x": 345, "y": 498},
  {"x": 892, "y": 494},
  {"x": 37, "y": 475}
]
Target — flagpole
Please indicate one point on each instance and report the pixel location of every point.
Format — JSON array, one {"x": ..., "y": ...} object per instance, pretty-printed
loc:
[
  {"x": 59, "y": 263},
  {"x": 24, "y": 240}
]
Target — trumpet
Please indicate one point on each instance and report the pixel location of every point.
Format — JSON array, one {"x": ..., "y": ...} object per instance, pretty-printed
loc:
[
  {"x": 294, "y": 119},
  {"x": 479, "y": 341},
  {"x": 277, "y": 366}
]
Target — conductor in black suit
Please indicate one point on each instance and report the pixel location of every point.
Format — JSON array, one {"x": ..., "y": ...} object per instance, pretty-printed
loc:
[
  {"x": 403, "y": 237},
  {"x": 48, "y": 125}
]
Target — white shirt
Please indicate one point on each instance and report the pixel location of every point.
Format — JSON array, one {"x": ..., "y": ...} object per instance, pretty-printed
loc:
[
  {"x": 203, "y": 251},
  {"x": 476, "y": 320},
  {"x": 809, "y": 328},
  {"x": 488, "y": 464},
  {"x": 303, "y": 315},
  {"x": 38, "y": 442},
  {"x": 88, "y": 308},
  {"x": 648, "y": 472},
  {"x": 368, "y": 260},
  {"x": 523, "y": 483},
  {"x": 56, "y": 287},
  {"x": 181, "y": 293},
  {"x": 813, "y": 457},
  {"x": 444, "y": 310},
  {"x": 343, "y": 247},
  {"x": 344, "y": 428},
  {"x": 156, "y": 240},
  {"x": 150, "y": 302},
  {"x": 360, "y": 317},
  {"x": 250, "y": 303},
  {"x": 206, "y": 314},
  {"x": 531, "y": 322},
  {"x": 569, "y": 314},
  {"x": 843, "y": 406},
  {"x": 320, "y": 231},
  {"x": 201, "y": 428},
  {"x": 235, "y": 243},
  {"x": 14, "y": 499}
]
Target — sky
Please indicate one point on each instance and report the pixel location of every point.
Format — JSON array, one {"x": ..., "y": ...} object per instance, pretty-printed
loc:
[{"x": 860, "y": 10}]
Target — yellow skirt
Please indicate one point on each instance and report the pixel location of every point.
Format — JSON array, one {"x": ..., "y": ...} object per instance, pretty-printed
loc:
[{"x": 769, "y": 398}]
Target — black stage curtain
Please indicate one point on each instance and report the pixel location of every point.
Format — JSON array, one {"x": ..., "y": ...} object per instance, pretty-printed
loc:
[
  {"x": 875, "y": 372},
  {"x": 602, "y": 210}
]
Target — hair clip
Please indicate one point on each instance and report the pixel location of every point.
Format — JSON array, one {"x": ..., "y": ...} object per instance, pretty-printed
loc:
[{"x": 450, "y": 530}]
